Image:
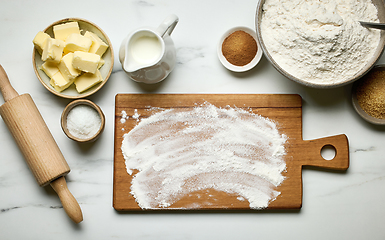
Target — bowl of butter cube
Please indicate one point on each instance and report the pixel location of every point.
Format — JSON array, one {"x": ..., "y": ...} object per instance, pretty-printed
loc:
[{"x": 73, "y": 58}]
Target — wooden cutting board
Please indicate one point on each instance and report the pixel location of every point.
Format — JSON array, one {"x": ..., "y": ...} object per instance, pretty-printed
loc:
[{"x": 286, "y": 109}]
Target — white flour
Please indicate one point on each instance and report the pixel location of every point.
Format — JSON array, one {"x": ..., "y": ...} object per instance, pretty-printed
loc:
[
  {"x": 320, "y": 41},
  {"x": 178, "y": 152},
  {"x": 136, "y": 115},
  {"x": 124, "y": 117}
]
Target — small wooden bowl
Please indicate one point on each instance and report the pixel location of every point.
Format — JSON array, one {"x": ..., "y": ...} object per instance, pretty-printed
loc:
[
  {"x": 69, "y": 107},
  {"x": 105, "y": 70}
]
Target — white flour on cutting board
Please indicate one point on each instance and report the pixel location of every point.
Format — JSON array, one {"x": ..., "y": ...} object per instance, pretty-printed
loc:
[{"x": 177, "y": 152}]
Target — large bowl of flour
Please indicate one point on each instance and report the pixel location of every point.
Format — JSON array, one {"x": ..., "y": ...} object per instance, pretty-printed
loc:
[{"x": 320, "y": 44}]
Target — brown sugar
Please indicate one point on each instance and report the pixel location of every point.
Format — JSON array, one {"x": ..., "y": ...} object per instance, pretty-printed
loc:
[
  {"x": 239, "y": 48},
  {"x": 370, "y": 93}
]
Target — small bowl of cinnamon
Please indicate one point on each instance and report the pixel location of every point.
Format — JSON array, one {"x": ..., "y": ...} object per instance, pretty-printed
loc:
[{"x": 239, "y": 50}]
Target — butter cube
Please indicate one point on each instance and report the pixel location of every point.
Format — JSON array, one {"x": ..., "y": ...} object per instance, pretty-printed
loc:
[
  {"x": 49, "y": 68},
  {"x": 59, "y": 82},
  {"x": 62, "y": 31},
  {"x": 40, "y": 40},
  {"x": 66, "y": 68},
  {"x": 77, "y": 42},
  {"x": 98, "y": 46},
  {"x": 87, "y": 80},
  {"x": 53, "y": 50},
  {"x": 86, "y": 62},
  {"x": 101, "y": 63}
]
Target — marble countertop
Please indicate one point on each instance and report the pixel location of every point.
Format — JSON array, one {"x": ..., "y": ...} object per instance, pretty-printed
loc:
[{"x": 336, "y": 205}]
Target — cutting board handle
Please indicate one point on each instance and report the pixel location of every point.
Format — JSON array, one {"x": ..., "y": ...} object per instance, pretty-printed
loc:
[
  {"x": 6, "y": 88},
  {"x": 315, "y": 159}
]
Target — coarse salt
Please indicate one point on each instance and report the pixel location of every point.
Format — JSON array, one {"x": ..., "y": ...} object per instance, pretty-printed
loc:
[{"x": 83, "y": 121}]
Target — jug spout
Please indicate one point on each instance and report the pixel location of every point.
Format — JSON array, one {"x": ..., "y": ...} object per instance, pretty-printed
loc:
[{"x": 131, "y": 66}]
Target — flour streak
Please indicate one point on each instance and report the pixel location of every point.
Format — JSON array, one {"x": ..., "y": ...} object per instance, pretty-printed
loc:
[{"x": 180, "y": 151}]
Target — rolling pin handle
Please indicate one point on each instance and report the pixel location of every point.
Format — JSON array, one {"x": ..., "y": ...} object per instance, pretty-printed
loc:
[
  {"x": 6, "y": 88},
  {"x": 70, "y": 205}
]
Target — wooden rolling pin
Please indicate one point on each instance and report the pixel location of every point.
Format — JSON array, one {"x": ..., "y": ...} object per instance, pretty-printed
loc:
[{"x": 37, "y": 144}]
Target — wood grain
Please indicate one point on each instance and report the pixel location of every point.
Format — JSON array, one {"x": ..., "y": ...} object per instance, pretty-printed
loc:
[
  {"x": 285, "y": 109},
  {"x": 34, "y": 139},
  {"x": 37, "y": 144}
]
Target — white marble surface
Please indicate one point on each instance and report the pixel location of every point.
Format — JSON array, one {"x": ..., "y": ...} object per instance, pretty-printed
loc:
[{"x": 335, "y": 205}]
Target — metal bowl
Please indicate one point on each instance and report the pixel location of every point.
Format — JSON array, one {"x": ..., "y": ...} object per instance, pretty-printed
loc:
[
  {"x": 360, "y": 72},
  {"x": 105, "y": 70}
]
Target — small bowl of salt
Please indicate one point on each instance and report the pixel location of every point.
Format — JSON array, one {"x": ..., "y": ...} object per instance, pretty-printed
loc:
[{"x": 82, "y": 121}]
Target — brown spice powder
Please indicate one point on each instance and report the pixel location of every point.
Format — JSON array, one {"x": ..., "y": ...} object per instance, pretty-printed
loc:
[
  {"x": 370, "y": 93},
  {"x": 239, "y": 48}
]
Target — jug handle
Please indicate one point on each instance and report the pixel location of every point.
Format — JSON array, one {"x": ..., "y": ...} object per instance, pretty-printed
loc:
[{"x": 168, "y": 25}]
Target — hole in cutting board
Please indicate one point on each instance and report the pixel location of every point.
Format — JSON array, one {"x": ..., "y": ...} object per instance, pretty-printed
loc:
[{"x": 328, "y": 152}]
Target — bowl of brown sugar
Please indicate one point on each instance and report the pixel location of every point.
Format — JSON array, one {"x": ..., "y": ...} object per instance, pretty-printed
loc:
[
  {"x": 239, "y": 50},
  {"x": 368, "y": 96}
]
